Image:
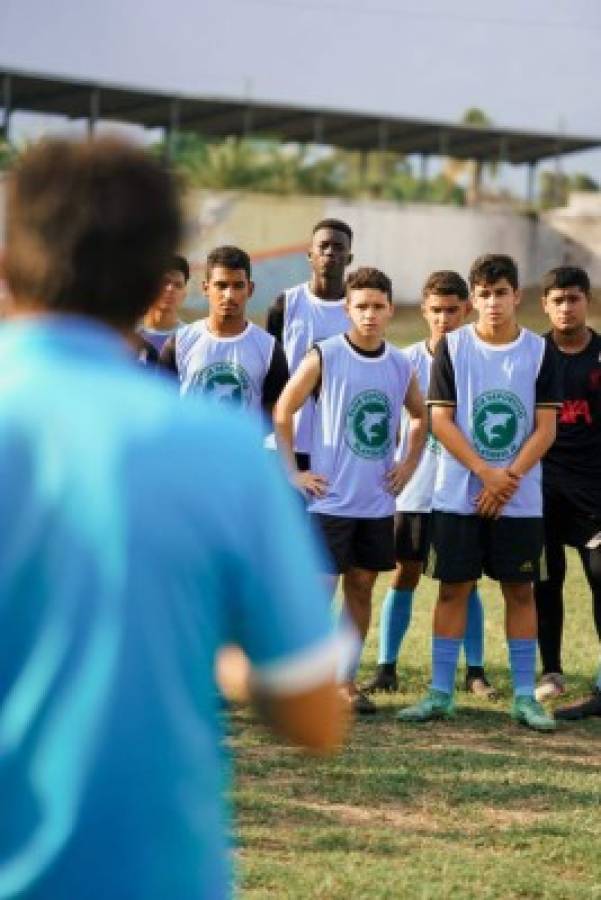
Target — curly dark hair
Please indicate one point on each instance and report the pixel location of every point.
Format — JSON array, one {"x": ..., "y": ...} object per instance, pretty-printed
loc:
[{"x": 92, "y": 227}]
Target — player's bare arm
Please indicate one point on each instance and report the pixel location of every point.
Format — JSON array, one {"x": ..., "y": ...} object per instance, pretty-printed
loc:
[
  {"x": 314, "y": 718},
  {"x": 533, "y": 450},
  {"x": 501, "y": 483},
  {"x": 400, "y": 473},
  {"x": 297, "y": 391},
  {"x": 543, "y": 436}
]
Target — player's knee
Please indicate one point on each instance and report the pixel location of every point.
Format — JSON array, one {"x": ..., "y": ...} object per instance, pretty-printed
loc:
[
  {"x": 359, "y": 583},
  {"x": 449, "y": 594},
  {"x": 519, "y": 595},
  {"x": 406, "y": 576}
]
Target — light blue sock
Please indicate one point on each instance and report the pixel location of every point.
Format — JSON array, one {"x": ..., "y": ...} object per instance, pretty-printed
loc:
[
  {"x": 522, "y": 659},
  {"x": 473, "y": 642},
  {"x": 348, "y": 663},
  {"x": 445, "y": 654},
  {"x": 395, "y": 617}
]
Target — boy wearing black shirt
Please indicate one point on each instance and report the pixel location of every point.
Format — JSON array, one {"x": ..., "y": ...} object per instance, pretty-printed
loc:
[{"x": 571, "y": 474}]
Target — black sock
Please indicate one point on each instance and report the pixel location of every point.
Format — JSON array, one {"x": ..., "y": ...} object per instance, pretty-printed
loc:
[
  {"x": 387, "y": 668},
  {"x": 475, "y": 672}
]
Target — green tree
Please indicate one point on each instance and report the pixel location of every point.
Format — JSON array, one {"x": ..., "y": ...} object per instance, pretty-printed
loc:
[
  {"x": 555, "y": 187},
  {"x": 579, "y": 181},
  {"x": 273, "y": 167},
  {"x": 455, "y": 169},
  {"x": 8, "y": 154}
]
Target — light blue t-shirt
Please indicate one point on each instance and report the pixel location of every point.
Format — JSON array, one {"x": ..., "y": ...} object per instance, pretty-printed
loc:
[{"x": 130, "y": 551}]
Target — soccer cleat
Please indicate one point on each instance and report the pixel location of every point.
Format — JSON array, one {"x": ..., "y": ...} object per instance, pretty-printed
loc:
[
  {"x": 581, "y": 709},
  {"x": 361, "y": 705},
  {"x": 480, "y": 686},
  {"x": 435, "y": 705},
  {"x": 551, "y": 685},
  {"x": 526, "y": 711},
  {"x": 383, "y": 681}
]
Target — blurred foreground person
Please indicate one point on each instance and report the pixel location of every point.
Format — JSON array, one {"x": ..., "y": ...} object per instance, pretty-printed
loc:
[{"x": 122, "y": 573}]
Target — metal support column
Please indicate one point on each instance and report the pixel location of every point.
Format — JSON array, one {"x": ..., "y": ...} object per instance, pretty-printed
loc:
[
  {"x": 6, "y": 107},
  {"x": 558, "y": 199},
  {"x": 531, "y": 181},
  {"x": 363, "y": 169},
  {"x": 382, "y": 150},
  {"x": 318, "y": 130},
  {"x": 247, "y": 125},
  {"x": 94, "y": 113},
  {"x": 172, "y": 130}
]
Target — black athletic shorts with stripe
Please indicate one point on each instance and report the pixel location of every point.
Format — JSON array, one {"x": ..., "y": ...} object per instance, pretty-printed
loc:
[
  {"x": 412, "y": 536},
  {"x": 508, "y": 549}
]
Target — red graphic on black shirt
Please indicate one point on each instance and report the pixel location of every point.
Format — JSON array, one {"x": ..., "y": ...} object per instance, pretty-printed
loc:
[{"x": 573, "y": 410}]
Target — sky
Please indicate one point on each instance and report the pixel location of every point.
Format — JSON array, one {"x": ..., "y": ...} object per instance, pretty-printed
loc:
[{"x": 528, "y": 65}]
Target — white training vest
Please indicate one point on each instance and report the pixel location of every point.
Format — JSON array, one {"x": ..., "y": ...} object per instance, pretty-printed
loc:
[
  {"x": 416, "y": 496},
  {"x": 496, "y": 404},
  {"x": 307, "y": 320},
  {"x": 228, "y": 370},
  {"x": 355, "y": 427}
]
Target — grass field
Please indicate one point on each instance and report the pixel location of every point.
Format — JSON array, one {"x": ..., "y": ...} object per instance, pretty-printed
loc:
[{"x": 475, "y": 808}]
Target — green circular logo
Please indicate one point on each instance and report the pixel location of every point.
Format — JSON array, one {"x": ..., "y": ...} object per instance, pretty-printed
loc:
[
  {"x": 367, "y": 426},
  {"x": 433, "y": 445},
  {"x": 499, "y": 424},
  {"x": 224, "y": 382}
]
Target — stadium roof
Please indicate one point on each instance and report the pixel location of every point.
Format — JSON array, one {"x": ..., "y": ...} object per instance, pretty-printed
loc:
[{"x": 220, "y": 117}]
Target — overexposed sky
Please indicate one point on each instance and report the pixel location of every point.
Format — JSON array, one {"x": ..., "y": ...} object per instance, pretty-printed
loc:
[{"x": 528, "y": 64}]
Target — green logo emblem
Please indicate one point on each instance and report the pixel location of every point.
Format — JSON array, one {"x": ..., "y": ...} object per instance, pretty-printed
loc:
[
  {"x": 224, "y": 382},
  {"x": 498, "y": 425},
  {"x": 433, "y": 445},
  {"x": 367, "y": 427}
]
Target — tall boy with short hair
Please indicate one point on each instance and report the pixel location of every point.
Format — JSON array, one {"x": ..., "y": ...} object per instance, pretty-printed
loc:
[
  {"x": 445, "y": 305},
  {"x": 571, "y": 474},
  {"x": 226, "y": 357},
  {"x": 361, "y": 384},
  {"x": 313, "y": 311},
  {"x": 493, "y": 396}
]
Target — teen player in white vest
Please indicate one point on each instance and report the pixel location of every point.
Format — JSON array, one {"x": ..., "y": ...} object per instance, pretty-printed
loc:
[
  {"x": 225, "y": 357},
  {"x": 361, "y": 384},
  {"x": 445, "y": 305},
  {"x": 494, "y": 399},
  {"x": 313, "y": 311}
]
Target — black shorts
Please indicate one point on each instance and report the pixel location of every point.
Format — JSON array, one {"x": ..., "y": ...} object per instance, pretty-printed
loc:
[
  {"x": 303, "y": 461},
  {"x": 505, "y": 549},
  {"x": 356, "y": 543},
  {"x": 412, "y": 536},
  {"x": 566, "y": 522}
]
